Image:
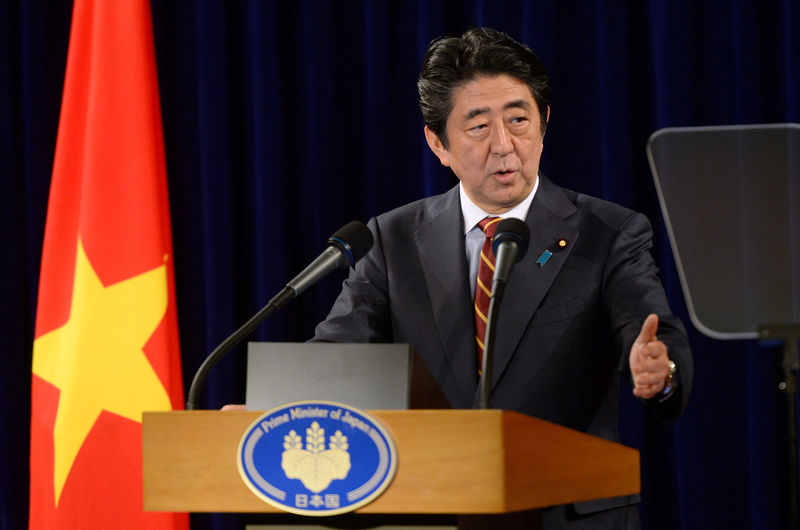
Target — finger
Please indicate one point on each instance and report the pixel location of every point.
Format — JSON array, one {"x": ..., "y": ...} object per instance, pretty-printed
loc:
[
  {"x": 645, "y": 360},
  {"x": 648, "y": 391},
  {"x": 649, "y": 379},
  {"x": 649, "y": 329},
  {"x": 645, "y": 393},
  {"x": 645, "y": 364},
  {"x": 654, "y": 351}
]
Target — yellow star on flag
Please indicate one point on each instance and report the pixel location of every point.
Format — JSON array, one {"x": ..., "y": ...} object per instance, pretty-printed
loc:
[{"x": 97, "y": 360}]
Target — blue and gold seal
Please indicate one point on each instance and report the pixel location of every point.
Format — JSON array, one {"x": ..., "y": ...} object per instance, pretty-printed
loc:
[{"x": 316, "y": 458}]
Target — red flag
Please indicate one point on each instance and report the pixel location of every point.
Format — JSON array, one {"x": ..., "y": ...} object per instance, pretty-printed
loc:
[{"x": 106, "y": 345}]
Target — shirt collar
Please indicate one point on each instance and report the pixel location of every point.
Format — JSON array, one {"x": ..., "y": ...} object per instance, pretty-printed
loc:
[{"x": 472, "y": 214}]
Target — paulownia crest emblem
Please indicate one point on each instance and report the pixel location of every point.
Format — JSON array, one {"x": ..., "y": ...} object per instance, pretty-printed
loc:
[{"x": 315, "y": 466}]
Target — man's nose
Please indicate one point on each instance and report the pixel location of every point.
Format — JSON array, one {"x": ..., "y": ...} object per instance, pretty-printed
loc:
[{"x": 501, "y": 141}]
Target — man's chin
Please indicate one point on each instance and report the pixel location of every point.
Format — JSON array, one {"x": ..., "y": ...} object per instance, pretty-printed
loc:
[
  {"x": 509, "y": 196},
  {"x": 499, "y": 205}
]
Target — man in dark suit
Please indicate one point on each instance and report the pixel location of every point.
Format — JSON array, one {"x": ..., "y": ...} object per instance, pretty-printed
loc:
[{"x": 572, "y": 324}]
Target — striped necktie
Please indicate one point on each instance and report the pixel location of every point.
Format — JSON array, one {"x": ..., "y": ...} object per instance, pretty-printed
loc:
[{"x": 483, "y": 290}]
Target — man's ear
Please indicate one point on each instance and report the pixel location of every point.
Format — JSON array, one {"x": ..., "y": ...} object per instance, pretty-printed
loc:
[
  {"x": 546, "y": 121},
  {"x": 435, "y": 143}
]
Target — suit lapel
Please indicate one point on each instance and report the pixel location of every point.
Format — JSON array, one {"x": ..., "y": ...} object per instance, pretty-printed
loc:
[
  {"x": 530, "y": 282},
  {"x": 440, "y": 243}
]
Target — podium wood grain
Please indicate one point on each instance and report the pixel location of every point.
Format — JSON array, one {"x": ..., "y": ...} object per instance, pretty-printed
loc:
[{"x": 450, "y": 461}]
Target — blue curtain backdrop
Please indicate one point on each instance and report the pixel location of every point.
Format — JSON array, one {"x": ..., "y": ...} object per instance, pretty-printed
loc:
[{"x": 284, "y": 120}]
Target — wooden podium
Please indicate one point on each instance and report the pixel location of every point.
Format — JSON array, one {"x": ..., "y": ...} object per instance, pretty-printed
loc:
[{"x": 449, "y": 462}]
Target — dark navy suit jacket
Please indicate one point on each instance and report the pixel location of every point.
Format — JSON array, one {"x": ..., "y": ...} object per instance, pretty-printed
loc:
[{"x": 566, "y": 327}]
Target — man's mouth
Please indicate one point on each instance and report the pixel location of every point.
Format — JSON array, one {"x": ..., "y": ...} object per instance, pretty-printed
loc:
[{"x": 504, "y": 173}]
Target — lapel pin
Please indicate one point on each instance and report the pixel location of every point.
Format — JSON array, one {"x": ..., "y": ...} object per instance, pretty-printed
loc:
[
  {"x": 562, "y": 243},
  {"x": 544, "y": 257}
]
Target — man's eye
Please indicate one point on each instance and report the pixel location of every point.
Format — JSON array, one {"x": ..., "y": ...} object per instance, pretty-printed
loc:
[
  {"x": 519, "y": 119},
  {"x": 478, "y": 127}
]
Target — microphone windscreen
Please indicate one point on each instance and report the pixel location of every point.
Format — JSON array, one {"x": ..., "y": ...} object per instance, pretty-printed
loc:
[
  {"x": 512, "y": 229},
  {"x": 354, "y": 239}
]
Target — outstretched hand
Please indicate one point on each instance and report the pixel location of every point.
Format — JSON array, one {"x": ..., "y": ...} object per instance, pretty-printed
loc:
[{"x": 648, "y": 361}]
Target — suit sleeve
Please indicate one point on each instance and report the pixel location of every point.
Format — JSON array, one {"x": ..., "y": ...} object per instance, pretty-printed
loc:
[
  {"x": 361, "y": 312},
  {"x": 633, "y": 290}
]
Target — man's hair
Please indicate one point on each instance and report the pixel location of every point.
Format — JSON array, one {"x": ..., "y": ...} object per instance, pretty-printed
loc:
[{"x": 454, "y": 61}]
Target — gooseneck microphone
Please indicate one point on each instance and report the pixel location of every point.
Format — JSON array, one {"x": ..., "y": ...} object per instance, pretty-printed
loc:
[
  {"x": 510, "y": 243},
  {"x": 344, "y": 248}
]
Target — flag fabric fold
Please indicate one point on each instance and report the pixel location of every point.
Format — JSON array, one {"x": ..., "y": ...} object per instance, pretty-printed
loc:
[{"x": 106, "y": 340}]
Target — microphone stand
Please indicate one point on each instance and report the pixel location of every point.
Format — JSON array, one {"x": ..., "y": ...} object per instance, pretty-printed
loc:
[
  {"x": 488, "y": 350},
  {"x": 789, "y": 334},
  {"x": 219, "y": 352}
]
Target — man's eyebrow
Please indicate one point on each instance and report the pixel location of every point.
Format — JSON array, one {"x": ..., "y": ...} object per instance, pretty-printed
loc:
[
  {"x": 516, "y": 104},
  {"x": 475, "y": 112}
]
